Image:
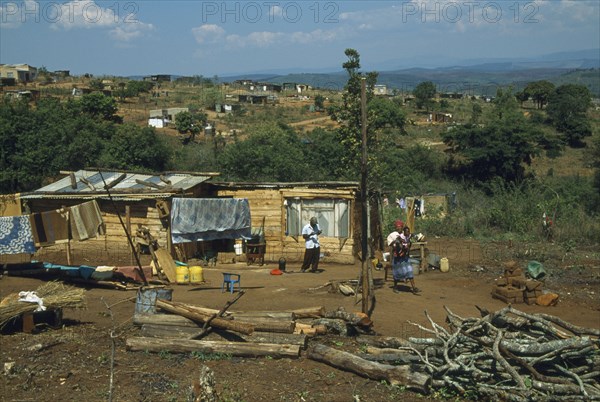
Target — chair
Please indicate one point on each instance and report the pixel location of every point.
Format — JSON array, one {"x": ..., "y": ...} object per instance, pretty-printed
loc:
[{"x": 229, "y": 281}]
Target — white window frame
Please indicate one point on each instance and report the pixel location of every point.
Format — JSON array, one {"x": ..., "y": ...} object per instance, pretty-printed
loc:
[{"x": 333, "y": 215}]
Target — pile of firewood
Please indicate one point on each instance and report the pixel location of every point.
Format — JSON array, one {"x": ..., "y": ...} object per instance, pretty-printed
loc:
[
  {"x": 190, "y": 328},
  {"x": 507, "y": 355}
]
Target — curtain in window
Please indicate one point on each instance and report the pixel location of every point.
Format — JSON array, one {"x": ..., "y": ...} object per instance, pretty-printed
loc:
[{"x": 332, "y": 215}]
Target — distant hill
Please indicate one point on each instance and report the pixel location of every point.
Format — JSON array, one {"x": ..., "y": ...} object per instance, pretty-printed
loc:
[
  {"x": 472, "y": 76},
  {"x": 473, "y": 80}
]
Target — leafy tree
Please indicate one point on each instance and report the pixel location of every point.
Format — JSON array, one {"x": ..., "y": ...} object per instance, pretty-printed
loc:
[
  {"x": 319, "y": 102},
  {"x": 323, "y": 152},
  {"x": 567, "y": 108},
  {"x": 522, "y": 97},
  {"x": 476, "y": 112},
  {"x": 539, "y": 91},
  {"x": 187, "y": 122},
  {"x": 499, "y": 149},
  {"x": 211, "y": 96},
  {"x": 272, "y": 152},
  {"x": 135, "y": 148},
  {"x": 96, "y": 84},
  {"x": 424, "y": 94},
  {"x": 384, "y": 112},
  {"x": 349, "y": 116},
  {"x": 99, "y": 105},
  {"x": 595, "y": 158}
]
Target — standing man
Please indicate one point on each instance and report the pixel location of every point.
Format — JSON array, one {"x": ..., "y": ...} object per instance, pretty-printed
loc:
[{"x": 311, "y": 233}]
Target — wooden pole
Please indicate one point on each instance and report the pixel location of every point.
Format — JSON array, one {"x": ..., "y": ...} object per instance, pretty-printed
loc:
[
  {"x": 128, "y": 225},
  {"x": 363, "y": 197},
  {"x": 69, "y": 255}
]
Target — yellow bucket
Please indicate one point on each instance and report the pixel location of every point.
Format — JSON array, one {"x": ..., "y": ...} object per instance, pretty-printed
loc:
[
  {"x": 182, "y": 275},
  {"x": 196, "y": 275}
]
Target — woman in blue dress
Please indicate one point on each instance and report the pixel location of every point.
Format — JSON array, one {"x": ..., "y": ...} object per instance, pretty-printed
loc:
[{"x": 401, "y": 266}]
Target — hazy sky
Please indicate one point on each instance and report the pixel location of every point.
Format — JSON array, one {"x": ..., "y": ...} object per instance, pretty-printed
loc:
[{"x": 226, "y": 37}]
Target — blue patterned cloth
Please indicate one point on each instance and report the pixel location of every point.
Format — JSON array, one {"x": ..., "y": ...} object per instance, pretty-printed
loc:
[
  {"x": 15, "y": 235},
  {"x": 201, "y": 219}
]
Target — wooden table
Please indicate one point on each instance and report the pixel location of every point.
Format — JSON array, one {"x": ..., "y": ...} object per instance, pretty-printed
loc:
[{"x": 422, "y": 244}]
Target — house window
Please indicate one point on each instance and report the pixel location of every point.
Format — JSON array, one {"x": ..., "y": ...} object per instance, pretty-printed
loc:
[
  {"x": 333, "y": 216},
  {"x": 10, "y": 74}
]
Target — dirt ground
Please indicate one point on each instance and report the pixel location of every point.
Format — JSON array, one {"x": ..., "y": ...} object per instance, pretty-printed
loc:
[{"x": 72, "y": 363}]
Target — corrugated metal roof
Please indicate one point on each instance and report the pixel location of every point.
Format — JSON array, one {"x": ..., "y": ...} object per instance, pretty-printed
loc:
[{"x": 125, "y": 188}]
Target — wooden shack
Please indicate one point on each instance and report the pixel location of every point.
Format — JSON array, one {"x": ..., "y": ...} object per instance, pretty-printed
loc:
[
  {"x": 280, "y": 210},
  {"x": 133, "y": 198}
]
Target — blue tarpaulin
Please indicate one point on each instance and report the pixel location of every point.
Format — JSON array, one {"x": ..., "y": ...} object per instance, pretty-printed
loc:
[{"x": 202, "y": 219}]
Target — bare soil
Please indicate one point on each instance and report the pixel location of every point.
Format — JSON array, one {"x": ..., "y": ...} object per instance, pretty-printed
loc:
[{"x": 72, "y": 363}]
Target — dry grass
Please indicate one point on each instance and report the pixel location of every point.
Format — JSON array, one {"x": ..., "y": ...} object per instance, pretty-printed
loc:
[{"x": 55, "y": 295}]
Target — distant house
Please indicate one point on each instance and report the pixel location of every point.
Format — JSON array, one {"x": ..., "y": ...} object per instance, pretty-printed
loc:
[
  {"x": 62, "y": 73},
  {"x": 253, "y": 99},
  {"x": 165, "y": 115},
  {"x": 380, "y": 90},
  {"x": 158, "y": 78},
  {"x": 22, "y": 73},
  {"x": 293, "y": 86},
  {"x": 439, "y": 117},
  {"x": 29, "y": 95}
]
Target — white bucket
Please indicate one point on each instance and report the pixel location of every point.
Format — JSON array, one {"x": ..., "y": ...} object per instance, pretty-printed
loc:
[{"x": 238, "y": 249}]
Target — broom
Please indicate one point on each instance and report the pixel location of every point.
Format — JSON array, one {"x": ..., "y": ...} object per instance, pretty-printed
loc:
[{"x": 55, "y": 295}]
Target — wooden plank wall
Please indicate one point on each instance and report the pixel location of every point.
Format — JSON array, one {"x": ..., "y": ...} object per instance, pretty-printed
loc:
[{"x": 268, "y": 204}]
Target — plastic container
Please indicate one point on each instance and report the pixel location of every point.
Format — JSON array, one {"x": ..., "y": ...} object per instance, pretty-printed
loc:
[
  {"x": 182, "y": 275},
  {"x": 444, "y": 264},
  {"x": 145, "y": 302},
  {"x": 196, "y": 275}
]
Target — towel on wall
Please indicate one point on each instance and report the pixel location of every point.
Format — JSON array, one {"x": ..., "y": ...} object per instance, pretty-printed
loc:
[
  {"x": 86, "y": 221},
  {"x": 15, "y": 235},
  {"x": 201, "y": 219},
  {"x": 50, "y": 227}
]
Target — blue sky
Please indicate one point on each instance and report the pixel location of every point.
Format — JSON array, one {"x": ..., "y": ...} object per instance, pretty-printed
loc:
[{"x": 226, "y": 37}]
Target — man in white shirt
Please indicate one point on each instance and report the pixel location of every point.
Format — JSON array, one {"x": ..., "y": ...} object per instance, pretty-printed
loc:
[{"x": 311, "y": 233}]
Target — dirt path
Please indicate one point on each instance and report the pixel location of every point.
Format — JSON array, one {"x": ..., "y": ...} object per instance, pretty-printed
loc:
[{"x": 72, "y": 363}]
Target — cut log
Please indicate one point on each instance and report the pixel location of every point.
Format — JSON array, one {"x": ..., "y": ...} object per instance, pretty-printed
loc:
[
  {"x": 264, "y": 315},
  {"x": 168, "y": 331},
  {"x": 263, "y": 337},
  {"x": 383, "y": 341},
  {"x": 217, "y": 322},
  {"x": 395, "y": 375},
  {"x": 182, "y": 332},
  {"x": 352, "y": 318},
  {"x": 229, "y": 348},
  {"x": 310, "y": 312},
  {"x": 164, "y": 320},
  {"x": 284, "y": 327},
  {"x": 309, "y": 329}
]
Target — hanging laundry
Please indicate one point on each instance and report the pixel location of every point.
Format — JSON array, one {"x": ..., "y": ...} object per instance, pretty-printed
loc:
[
  {"x": 15, "y": 235},
  {"x": 86, "y": 221},
  {"x": 49, "y": 227},
  {"x": 417, "y": 207}
]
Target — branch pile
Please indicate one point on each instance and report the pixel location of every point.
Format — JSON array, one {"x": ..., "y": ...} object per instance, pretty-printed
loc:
[{"x": 507, "y": 355}]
